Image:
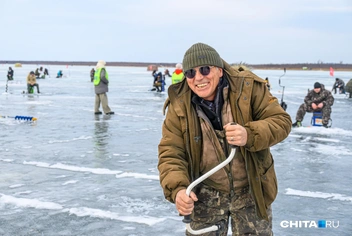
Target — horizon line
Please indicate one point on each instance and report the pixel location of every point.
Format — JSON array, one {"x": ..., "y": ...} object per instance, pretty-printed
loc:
[{"x": 159, "y": 63}]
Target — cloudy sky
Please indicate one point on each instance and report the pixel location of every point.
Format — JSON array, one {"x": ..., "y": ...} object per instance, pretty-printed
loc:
[{"x": 251, "y": 31}]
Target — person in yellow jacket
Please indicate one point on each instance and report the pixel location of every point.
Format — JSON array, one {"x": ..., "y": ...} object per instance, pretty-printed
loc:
[
  {"x": 177, "y": 76},
  {"x": 101, "y": 87},
  {"x": 32, "y": 82}
]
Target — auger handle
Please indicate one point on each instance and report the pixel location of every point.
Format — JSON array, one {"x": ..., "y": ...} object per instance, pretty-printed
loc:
[{"x": 187, "y": 219}]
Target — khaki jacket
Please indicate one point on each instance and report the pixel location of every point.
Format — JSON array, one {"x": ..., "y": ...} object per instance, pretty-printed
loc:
[
  {"x": 253, "y": 107},
  {"x": 31, "y": 79}
]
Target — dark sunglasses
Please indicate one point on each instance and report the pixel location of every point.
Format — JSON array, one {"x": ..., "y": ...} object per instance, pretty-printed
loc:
[{"x": 204, "y": 70}]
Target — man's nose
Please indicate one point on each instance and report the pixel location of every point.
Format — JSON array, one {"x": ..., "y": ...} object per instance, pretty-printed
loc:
[{"x": 199, "y": 75}]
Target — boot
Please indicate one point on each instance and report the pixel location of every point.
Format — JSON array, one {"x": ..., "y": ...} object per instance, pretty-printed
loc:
[{"x": 297, "y": 124}]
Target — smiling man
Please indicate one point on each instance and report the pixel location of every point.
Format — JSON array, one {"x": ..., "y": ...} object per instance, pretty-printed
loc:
[{"x": 216, "y": 106}]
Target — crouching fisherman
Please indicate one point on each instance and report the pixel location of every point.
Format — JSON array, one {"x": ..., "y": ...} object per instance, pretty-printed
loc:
[
  {"x": 157, "y": 83},
  {"x": 41, "y": 73},
  {"x": 59, "y": 74},
  {"x": 339, "y": 84},
  {"x": 10, "y": 74},
  {"x": 32, "y": 82}
]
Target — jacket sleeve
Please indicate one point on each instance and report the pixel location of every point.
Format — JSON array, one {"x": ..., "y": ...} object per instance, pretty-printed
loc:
[
  {"x": 103, "y": 77},
  {"x": 308, "y": 99},
  {"x": 173, "y": 162},
  {"x": 329, "y": 99},
  {"x": 270, "y": 123}
]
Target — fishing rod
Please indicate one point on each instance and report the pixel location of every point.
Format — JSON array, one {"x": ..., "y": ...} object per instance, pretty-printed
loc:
[
  {"x": 27, "y": 118},
  {"x": 283, "y": 104},
  {"x": 187, "y": 219}
]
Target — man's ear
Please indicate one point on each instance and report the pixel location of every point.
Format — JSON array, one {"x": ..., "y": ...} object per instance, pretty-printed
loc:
[{"x": 220, "y": 71}]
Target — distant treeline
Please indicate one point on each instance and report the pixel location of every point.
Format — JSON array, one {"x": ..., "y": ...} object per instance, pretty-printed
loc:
[
  {"x": 297, "y": 66},
  {"x": 91, "y": 63},
  {"x": 304, "y": 66}
]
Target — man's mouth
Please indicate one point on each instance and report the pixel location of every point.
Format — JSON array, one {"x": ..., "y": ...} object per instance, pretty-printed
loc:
[{"x": 202, "y": 85}]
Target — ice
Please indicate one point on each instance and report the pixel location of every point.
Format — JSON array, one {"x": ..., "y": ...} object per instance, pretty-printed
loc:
[{"x": 74, "y": 173}]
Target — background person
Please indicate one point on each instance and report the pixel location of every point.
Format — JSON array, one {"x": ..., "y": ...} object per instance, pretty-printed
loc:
[
  {"x": 166, "y": 73},
  {"x": 92, "y": 72},
  {"x": 10, "y": 74},
  {"x": 267, "y": 83},
  {"x": 157, "y": 83},
  {"x": 318, "y": 99},
  {"x": 163, "y": 81},
  {"x": 339, "y": 84},
  {"x": 349, "y": 88},
  {"x": 46, "y": 72},
  {"x": 101, "y": 87},
  {"x": 59, "y": 74},
  {"x": 197, "y": 133},
  {"x": 32, "y": 82},
  {"x": 39, "y": 73},
  {"x": 178, "y": 75}
]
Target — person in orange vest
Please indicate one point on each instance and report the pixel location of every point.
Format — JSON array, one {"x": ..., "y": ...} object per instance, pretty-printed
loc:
[{"x": 177, "y": 76}]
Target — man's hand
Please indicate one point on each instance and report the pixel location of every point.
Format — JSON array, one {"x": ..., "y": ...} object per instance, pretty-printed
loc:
[
  {"x": 320, "y": 105},
  {"x": 236, "y": 134},
  {"x": 314, "y": 106},
  {"x": 184, "y": 203}
]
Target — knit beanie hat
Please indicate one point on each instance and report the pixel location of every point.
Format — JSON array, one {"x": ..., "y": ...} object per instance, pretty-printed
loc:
[
  {"x": 201, "y": 54},
  {"x": 317, "y": 85},
  {"x": 178, "y": 66},
  {"x": 100, "y": 64}
]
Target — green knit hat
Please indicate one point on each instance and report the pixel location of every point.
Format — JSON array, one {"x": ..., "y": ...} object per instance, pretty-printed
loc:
[{"x": 201, "y": 54}]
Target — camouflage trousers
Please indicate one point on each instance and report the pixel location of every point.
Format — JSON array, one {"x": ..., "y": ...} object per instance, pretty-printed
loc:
[
  {"x": 326, "y": 111},
  {"x": 214, "y": 207}
]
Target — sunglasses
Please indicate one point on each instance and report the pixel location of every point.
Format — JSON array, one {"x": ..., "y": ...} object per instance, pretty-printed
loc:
[{"x": 204, "y": 70}]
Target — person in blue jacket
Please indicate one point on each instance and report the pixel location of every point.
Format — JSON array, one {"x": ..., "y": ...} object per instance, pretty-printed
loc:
[
  {"x": 157, "y": 83},
  {"x": 59, "y": 74}
]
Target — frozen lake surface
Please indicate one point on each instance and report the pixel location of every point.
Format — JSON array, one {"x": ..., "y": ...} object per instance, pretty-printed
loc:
[{"x": 74, "y": 173}]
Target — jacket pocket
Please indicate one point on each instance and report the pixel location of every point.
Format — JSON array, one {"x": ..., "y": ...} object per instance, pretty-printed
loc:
[{"x": 269, "y": 185}]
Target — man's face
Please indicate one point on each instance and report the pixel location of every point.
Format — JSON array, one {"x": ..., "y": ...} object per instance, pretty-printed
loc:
[
  {"x": 205, "y": 85},
  {"x": 317, "y": 90}
]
